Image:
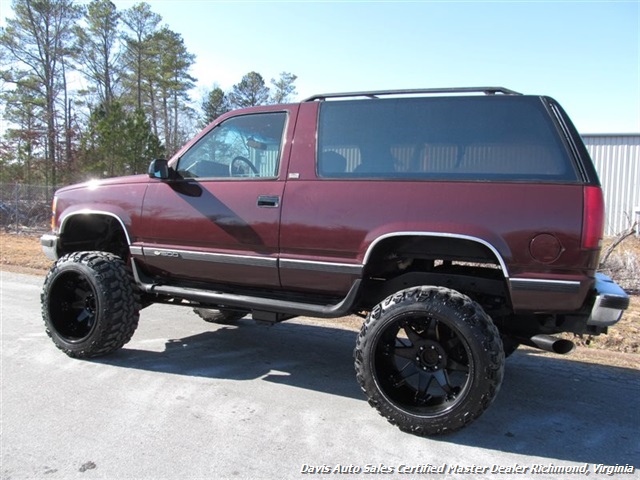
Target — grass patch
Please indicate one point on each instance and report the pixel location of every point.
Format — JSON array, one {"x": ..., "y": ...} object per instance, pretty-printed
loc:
[{"x": 23, "y": 252}]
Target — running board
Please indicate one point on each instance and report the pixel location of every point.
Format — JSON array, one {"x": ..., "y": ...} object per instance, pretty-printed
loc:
[{"x": 261, "y": 304}]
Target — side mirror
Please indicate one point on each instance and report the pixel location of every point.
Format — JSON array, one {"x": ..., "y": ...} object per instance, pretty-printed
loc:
[{"x": 159, "y": 168}]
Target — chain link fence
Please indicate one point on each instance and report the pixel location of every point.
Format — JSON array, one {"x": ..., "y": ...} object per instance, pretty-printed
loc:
[{"x": 25, "y": 208}]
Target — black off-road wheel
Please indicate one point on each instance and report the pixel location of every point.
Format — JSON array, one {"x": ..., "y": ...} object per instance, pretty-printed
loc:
[
  {"x": 222, "y": 316},
  {"x": 90, "y": 304},
  {"x": 429, "y": 359}
]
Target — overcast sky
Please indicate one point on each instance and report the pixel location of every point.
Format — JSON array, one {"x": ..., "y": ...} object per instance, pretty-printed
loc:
[{"x": 584, "y": 54}]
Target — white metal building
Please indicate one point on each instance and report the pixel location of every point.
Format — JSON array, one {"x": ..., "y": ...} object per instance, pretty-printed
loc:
[{"x": 617, "y": 160}]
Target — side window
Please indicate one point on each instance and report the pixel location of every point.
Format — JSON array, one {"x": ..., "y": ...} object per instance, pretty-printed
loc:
[
  {"x": 442, "y": 138},
  {"x": 247, "y": 146}
]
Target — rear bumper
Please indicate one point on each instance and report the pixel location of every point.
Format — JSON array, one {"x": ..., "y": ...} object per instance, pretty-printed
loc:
[{"x": 609, "y": 303}]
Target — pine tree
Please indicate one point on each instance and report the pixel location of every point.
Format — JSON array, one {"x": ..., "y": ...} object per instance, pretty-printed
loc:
[
  {"x": 99, "y": 50},
  {"x": 118, "y": 143},
  {"x": 38, "y": 40},
  {"x": 214, "y": 104},
  {"x": 284, "y": 88},
  {"x": 173, "y": 83},
  {"x": 251, "y": 91},
  {"x": 25, "y": 139},
  {"x": 138, "y": 58}
]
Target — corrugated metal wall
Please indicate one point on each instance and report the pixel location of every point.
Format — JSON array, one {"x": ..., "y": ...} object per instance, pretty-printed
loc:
[{"x": 617, "y": 160}]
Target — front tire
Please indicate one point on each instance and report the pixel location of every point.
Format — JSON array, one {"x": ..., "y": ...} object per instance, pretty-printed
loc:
[
  {"x": 89, "y": 304},
  {"x": 429, "y": 359}
]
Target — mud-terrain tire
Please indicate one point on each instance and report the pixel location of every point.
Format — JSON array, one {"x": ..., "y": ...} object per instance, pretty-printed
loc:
[
  {"x": 429, "y": 359},
  {"x": 222, "y": 317},
  {"x": 90, "y": 304}
]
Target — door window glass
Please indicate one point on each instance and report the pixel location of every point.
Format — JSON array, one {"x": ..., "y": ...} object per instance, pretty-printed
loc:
[{"x": 247, "y": 146}]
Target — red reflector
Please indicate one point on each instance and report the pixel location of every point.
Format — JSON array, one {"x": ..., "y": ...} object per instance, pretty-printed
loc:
[{"x": 593, "y": 218}]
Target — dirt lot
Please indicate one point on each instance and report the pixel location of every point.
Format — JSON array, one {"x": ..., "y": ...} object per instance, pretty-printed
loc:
[
  {"x": 23, "y": 254},
  {"x": 621, "y": 347}
]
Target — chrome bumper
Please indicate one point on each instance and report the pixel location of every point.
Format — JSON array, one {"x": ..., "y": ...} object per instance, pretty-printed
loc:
[
  {"x": 609, "y": 304},
  {"x": 49, "y": 244}
]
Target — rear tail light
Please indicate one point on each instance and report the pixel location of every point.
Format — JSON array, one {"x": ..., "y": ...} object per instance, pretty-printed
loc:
[{"x": 593, "y": 218}]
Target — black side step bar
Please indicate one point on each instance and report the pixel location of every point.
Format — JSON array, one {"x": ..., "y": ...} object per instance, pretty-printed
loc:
[{"x": 340, "y": 309}]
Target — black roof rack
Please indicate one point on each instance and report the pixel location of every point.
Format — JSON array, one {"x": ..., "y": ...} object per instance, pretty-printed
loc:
[{"x": 418, "y": 91}]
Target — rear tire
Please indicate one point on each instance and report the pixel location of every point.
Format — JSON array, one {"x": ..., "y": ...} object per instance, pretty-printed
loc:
[
  {"x": 90, "y": 304},
  {"x": 429, "y": 359}
]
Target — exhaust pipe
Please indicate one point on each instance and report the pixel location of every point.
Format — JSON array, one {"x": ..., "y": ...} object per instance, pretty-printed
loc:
[{"x": 549, "y": 343}]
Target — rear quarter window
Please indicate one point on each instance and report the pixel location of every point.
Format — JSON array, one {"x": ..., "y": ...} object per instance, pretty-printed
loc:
[{"x": 494, "y": 138}]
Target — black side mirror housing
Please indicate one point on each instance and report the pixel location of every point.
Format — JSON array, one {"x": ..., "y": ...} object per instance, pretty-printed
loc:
[{"x": 159, "y": 168}]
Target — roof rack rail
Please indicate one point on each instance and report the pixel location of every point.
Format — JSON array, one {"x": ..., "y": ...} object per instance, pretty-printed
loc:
[{"x": 418, "y": 91}]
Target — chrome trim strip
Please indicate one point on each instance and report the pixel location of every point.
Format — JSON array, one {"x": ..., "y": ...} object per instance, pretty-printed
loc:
[
  {"x": 535, "y": 284},
  {"x": 136, "y": 251},
  {"x": 95, "y": 212},
  {"x": 211, "y": 257},
  {"x": 331, "y": 267},
  {"x": 503, "y": 265}
]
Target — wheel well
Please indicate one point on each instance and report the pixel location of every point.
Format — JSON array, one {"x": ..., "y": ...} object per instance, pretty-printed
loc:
[
  {"x": 462, "y": 264},
  {"x": 97, "y": 232}
]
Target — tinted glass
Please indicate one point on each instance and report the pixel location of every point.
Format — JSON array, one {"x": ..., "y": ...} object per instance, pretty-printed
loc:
[{"x": 459, "y": 138}]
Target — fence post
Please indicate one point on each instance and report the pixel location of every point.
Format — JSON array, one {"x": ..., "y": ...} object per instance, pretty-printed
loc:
[{"x": 17, "y": 213}]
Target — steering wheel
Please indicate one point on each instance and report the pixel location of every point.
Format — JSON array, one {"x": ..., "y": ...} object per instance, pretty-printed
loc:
[{"x": 241, "y": 170}]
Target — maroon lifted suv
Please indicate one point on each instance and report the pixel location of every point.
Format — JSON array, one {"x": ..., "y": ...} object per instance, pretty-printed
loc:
[{"x": 459, "y": 222}]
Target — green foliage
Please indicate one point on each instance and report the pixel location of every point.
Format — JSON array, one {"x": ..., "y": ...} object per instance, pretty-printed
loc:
[
  {"x": 143, "y": 144},
  {"x": 251, "y": 91},
  {"x": 284, "y": 88},
  {"x": 24, "y": 143},
  {"x": 214, "y": 104},
  {"x": 118, "y": 143}
]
